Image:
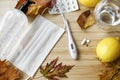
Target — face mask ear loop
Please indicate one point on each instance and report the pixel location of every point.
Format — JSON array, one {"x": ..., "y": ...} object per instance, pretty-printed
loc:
[{"x": 44, "y": 11}]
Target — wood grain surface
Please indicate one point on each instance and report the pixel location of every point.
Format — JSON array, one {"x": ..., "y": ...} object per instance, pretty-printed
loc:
[{"x": 87, "y": 67}]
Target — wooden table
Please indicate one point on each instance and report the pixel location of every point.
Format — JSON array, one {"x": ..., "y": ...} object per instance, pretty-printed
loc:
[{"x": 87, "y": 67}]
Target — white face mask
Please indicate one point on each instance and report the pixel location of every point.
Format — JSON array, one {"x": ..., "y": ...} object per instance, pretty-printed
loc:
[{"x": 34, "y": 46}]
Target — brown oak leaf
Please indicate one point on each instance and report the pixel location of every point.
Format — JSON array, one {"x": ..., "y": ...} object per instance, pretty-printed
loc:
[{"x": 53, "y": 70}]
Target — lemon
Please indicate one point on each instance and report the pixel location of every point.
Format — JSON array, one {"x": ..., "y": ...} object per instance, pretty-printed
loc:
[
  {"x": 108, "y": 49},
  {"x": 89, "y": 3}
]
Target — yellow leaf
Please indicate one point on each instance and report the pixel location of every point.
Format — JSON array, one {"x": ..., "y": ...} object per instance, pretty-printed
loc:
[
  {"x": 90, "y": 21},
  {"x": 86, "y": 19}
]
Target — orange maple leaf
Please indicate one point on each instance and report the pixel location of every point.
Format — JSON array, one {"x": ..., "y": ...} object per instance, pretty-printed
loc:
[
  {"x": 12, "y": 73},
  {"x": 8, "y": 72},
  {"x": 3, "y": 67}
]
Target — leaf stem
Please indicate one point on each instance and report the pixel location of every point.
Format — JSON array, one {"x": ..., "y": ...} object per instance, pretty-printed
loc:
[{"x": 115, "y": 74}]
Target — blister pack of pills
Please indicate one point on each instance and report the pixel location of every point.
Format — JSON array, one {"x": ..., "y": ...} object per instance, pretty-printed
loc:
[{"x": 65, "y": 6}]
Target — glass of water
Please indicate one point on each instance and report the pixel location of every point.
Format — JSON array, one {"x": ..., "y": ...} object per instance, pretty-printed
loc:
[{"x": 107, "y": 14}]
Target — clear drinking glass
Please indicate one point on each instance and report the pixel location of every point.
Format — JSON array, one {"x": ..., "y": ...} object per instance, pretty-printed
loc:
[{"x": 107, "y": 14}]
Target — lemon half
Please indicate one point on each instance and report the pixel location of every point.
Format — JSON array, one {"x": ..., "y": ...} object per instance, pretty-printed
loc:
[
  {"x": 89, "y": 3},
  {"x": 108, "y": 49}
]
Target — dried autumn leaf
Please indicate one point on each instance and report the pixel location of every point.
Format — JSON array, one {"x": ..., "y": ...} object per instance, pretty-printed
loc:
[
  {"x": 113, "y": 71},
  {"x": 12, "y": 73},
  {"x": 8, "y": 72},
  {"x": 48, "y": 67},
  {"x": 90, "y": 21},
  {"x": 86, "y": 19},
  {"x": 19, "y": 3},
  {"x": 52, "y": 3},
  {"x": 3, "y": 78},
  {"x": 3, "y": 67},
  {"x": 37, "y": 7},
  {"x": 53, "y": 71},
  {"x": 115, "y": 64},
  {"x": 82, "y": 18},
  {"x": 112, "y": 74}
]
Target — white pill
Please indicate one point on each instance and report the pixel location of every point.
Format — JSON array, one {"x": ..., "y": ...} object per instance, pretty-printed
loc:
[
  {"x": 83, "y": 41},
  {"x": 88, "y": 41}
]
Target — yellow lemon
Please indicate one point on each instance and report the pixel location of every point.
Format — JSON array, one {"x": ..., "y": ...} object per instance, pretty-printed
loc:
[
  {"x": 89, "y": 3},
  {"x": 108, "y": 49}
]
